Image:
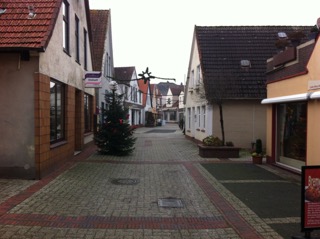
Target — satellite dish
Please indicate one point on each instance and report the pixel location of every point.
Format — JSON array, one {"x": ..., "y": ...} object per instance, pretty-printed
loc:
[{"x": 318, "y": 23}]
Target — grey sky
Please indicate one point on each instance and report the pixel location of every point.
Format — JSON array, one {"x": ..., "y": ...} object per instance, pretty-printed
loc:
[{"x": 158, "y": 34}]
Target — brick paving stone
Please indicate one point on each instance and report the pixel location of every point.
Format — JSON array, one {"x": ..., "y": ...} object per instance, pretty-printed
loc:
[{"x": 80, "y": 200}]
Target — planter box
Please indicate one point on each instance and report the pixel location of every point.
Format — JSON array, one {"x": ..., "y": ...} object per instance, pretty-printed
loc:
[
  {"x": 257, "y": 159},
  {"x": 218, "y": 152}
]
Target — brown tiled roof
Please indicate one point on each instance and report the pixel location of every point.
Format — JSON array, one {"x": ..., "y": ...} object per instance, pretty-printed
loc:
[
  {"x": 123, "y": 75},
  {"x": 163, "y": 87},
  {"x": 17, "y": 31},
  {"x": 221, "y": 48},
  {"x": 298, "y": 68},
  {"x": 99, "y": 26},
  {"x": 144, "y": 89}
]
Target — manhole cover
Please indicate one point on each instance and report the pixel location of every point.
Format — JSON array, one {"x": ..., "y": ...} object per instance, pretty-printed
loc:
[
  {"x": 125, "y": 181},
  {"x": 170, "y": 202}
]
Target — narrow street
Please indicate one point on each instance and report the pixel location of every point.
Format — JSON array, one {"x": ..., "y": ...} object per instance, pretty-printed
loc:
[{"x": 163, "y": 190}]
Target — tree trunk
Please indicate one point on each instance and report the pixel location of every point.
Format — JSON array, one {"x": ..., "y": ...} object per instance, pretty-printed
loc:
[{"x": 221, "y": 123}]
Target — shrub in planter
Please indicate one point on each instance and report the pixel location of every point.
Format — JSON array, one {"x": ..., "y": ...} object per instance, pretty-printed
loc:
[
  {"x": 212, "y": 147},
  {"x": 257, "y": 155},
  {"x": 212, "y": 141}
]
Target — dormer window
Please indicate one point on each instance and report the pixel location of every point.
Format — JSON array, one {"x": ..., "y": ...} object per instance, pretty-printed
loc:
[
  {"x": 282, "y": 35},
  {"x": 245, "y": 64},
  {"x": 2, "y": 11}
]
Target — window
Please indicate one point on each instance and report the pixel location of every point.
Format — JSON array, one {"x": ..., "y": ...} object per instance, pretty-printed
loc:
[
  {"x": 85, "y": 36},
  {"x": 65, "y": 27},
  {"x": 132, "y": 93},
  {"x": 204, "y": 116},
  {"x": 291, "y": 133},
  {"x": 172, "y": 115},
  {"x": 106, "y": 66},
  {"x": 189, "y": 118},
  {"x": 199, "y": 116},
  {"x": 87, "y": 112},
  {"x": 102, "y": 112},
  {"x": 57, "y": 99},
  {"x": 192, "y": 78},
  {"x": 126, "y": 92},
  {"x": 198, "y": 76},
  {"x": 77, "y": 43},
  {"x": 135, "y": 94},
  {"x": 77, "y": 39}
]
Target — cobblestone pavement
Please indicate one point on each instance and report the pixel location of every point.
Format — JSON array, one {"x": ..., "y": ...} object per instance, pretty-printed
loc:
[{"x": 160, "y": 191}]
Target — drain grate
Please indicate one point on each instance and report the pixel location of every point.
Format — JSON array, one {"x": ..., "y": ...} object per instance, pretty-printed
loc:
[
  {"x": 125, "y": 181},
  {"x": 170, "y": 202}
]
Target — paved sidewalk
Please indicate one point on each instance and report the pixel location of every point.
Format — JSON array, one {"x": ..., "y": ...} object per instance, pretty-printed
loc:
[{"x": 163, "y": 190}]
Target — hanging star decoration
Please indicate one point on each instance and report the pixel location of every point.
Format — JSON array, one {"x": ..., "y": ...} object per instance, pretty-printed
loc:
[{"x": 146, "y": 76}]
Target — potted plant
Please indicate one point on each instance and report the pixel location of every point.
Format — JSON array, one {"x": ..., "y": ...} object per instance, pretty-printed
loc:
[{"x": 257, "y": 155}]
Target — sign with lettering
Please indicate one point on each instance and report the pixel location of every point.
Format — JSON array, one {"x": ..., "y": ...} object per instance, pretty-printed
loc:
[
  {"x": 93, "y": 79},
  {"x": 310, "y": 198},
  {"x": 314, "y": 84}
]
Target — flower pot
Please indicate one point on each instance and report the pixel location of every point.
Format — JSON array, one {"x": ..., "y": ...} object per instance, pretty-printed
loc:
[{"x": 257, "y": 159}]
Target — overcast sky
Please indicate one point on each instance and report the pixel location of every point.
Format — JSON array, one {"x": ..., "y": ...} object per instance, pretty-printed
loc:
[{"x": 158, "y": 34}]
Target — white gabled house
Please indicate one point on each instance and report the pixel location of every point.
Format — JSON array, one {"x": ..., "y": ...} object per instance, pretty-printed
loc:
[{"x": 127, "y": 80}]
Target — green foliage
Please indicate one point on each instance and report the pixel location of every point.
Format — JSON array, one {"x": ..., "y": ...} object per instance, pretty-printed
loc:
[
  {"x": 258, "y": 146},
  {"x": 212, "y": 141},
  {"x": 115, "y": 136}
]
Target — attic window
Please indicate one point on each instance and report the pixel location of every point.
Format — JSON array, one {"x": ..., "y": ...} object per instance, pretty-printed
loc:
[
  {"x": 2, "y": 11},
  {"x": 282, "y": 35},
  {"x": 31, "y": 14},
  {"x": 245, "y": 64}
]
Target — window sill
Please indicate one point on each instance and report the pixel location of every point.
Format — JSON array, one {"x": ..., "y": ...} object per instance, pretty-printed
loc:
[
  {"x": 88, "y": 133},
  {"x": 58, "y": 144}
]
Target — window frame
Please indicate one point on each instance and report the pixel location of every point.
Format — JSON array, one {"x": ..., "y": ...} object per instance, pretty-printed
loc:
[
  {"x": 66, "y": 26},
  {"x": 87, "y": 113},
  {"x": 85, "y": 49},
  {"x": 54, "y": 107},
  {"x": 77, "y": 38}
]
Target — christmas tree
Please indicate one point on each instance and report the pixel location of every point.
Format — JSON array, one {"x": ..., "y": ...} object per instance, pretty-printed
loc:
[{"x": 115, "y": 136}]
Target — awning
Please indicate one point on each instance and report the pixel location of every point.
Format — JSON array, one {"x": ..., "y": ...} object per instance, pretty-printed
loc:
[
  {"x": 315, "y": 95},
  {"x": 288, "y": 98}
]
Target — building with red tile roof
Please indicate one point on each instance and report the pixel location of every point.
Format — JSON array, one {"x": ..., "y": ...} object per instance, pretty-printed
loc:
[
  {"x": 102, "y": 52},
  {"x": 44, "y": 56}
]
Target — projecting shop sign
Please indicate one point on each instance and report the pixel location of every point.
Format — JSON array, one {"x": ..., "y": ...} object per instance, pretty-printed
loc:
[{"x": 92, "y": 79}]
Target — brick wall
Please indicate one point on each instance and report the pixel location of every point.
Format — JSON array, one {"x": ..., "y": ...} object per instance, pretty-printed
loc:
[{"x": 49, "y": 157}]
